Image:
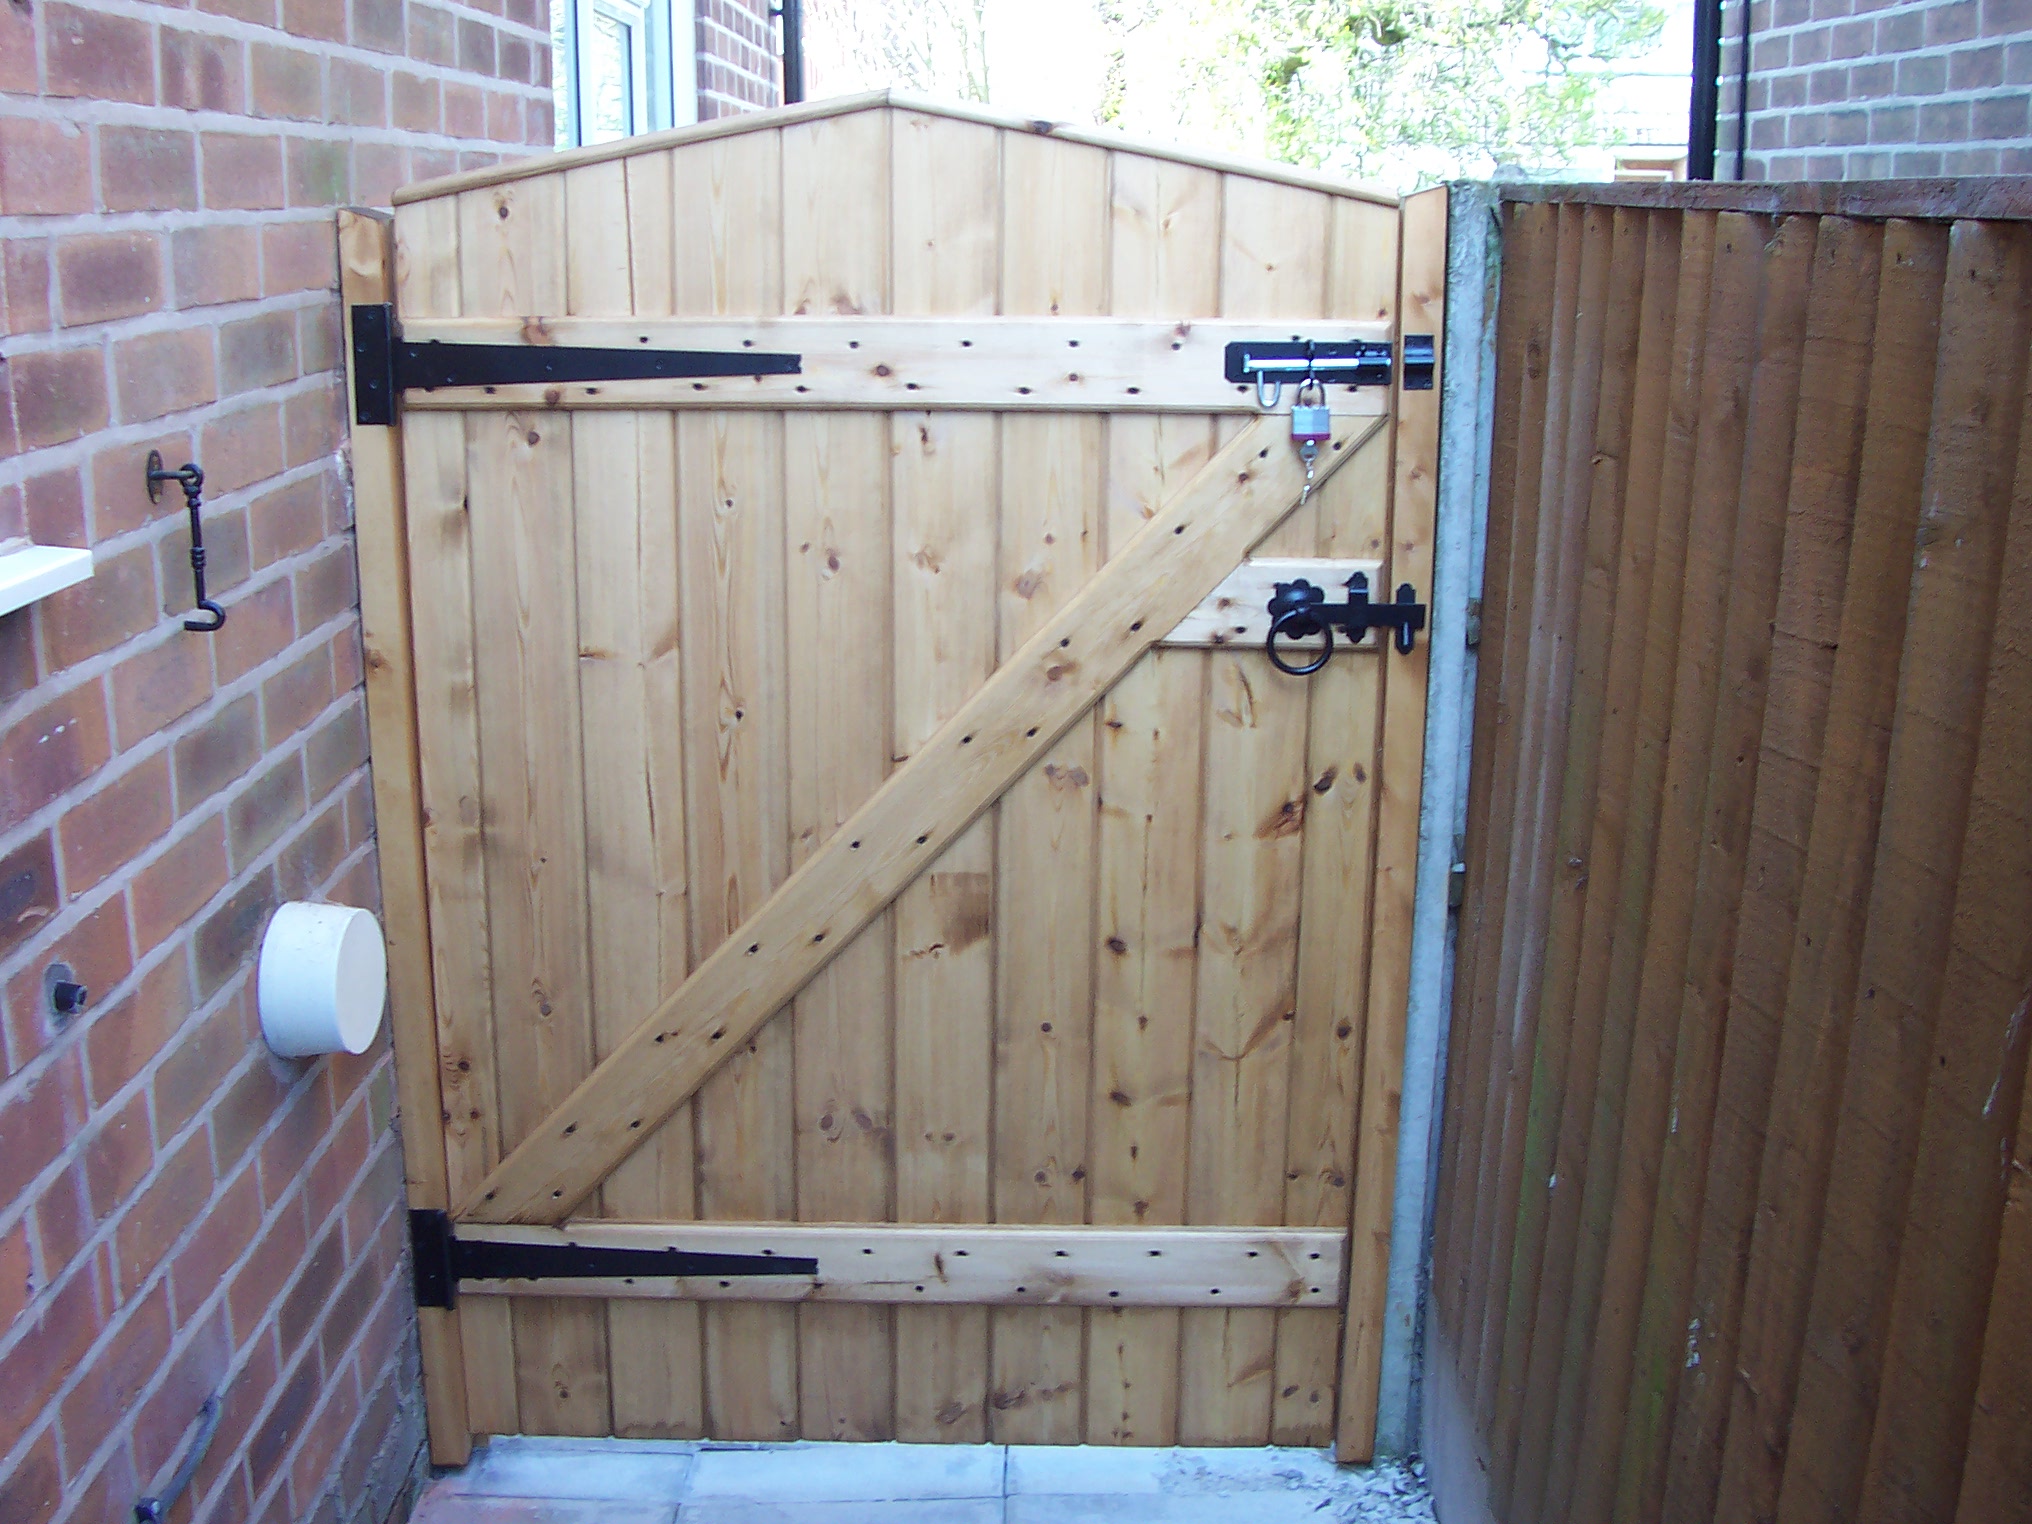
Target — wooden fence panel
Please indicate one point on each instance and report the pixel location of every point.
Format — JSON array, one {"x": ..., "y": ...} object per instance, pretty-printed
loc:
[{"x": 1732, "y": 1212}]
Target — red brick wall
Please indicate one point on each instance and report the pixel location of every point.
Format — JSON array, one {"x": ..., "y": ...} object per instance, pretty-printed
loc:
[
  {"x": 739, "y": 67},
  {"x": 180, "y": 1212}
]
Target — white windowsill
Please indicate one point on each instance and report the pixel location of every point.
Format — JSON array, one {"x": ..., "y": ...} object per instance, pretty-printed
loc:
[{"x": 29, "y": 572}]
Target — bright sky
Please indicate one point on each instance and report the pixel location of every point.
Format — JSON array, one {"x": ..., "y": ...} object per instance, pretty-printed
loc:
[{"x": 1046, "y": 57}]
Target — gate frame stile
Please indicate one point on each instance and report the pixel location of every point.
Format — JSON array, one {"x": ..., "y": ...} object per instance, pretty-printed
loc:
[{"x": 366, "y": 242}]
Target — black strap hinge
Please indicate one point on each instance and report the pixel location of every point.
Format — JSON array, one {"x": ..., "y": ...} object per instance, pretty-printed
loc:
[
  {"x": 385, "y": 364},
  {"x": 442, "y": 1259}
]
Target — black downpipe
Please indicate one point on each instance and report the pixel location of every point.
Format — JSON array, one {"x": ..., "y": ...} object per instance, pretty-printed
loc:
[
  {"x": 1705, "y": 106},
  {"x": 792, "y": 14},
  {"x": 1743, "y": 97}
]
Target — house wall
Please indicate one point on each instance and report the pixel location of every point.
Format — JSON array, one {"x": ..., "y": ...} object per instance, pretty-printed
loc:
[
  {"x": 738, "y": 65},
  {"x": 1861, "y": 90},
  {"x": 180, "y": 1212}
]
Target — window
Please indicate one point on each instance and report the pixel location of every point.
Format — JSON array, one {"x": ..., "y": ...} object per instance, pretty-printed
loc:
[{"x": 617, "y": 72}]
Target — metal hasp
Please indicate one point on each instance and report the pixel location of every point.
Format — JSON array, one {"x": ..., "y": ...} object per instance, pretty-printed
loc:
[
  {"x": 1299, "y": 611},
  {"x": 1350, "y": 362},
  {"x": 383, "y": 364},
  {"x": 192, "y": 480},
  {"x": 441, "y": 1260}
]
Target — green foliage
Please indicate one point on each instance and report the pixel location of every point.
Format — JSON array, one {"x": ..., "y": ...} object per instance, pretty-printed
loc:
[{"x": 1400, "y": 90}]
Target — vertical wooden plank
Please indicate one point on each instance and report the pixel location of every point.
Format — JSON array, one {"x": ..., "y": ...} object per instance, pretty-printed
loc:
[
  {"x": 1996, "y": 1481},
  {"x": 624, "y": 468},
  {"x": 946, "y": 205},
  {"x": 1274, "y": 246},
  {"x": 1338, "y": 849},
  {"x": 1611, "y": 299},
  {"x": 1964, "y": 508},
  {"x": 1934, "y": 1348},
  {"x": 381, "y": 531},
  {"x": 1530, "y": 249},
  {"x": 1834, "y": 394},
  {"x": 836, "y": 261},
  {"x": 1634, "y": 485},
  {"x": 1724, "y": 417},
  {"x": 1164, "y": 257},
  {"x": 1054, "y": 261},
  {"x": 1611, "y": 976},
  {"x": 730, "y": 496},
  {"x": 1572, "y": 370},
  {"x": 1413, "y": 497},
  {"x": 1729, "y": 794},
  {"x": 1834, "y": 903},
  {"x": 512, "y": 261}
]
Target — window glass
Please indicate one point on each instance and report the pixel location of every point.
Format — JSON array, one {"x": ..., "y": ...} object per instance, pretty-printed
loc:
[{"x": 607, "y": 75}]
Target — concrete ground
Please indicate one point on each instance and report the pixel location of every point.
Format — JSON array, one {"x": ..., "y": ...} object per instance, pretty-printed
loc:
[{"x": 583, "y": 1481}]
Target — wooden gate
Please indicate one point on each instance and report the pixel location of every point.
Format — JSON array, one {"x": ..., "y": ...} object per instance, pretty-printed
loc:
[
  {"x": 1733, "y": 1217},
  {"x": 846, "y": 816}
]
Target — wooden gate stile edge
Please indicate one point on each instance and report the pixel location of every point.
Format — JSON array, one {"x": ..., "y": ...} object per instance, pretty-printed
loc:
[
  {"x": 1196, "y": 539},
  {"x": 366, "y": 276}
]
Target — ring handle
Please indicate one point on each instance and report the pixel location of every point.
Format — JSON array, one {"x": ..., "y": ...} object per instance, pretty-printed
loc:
[{"x": 1296, "y": 624}]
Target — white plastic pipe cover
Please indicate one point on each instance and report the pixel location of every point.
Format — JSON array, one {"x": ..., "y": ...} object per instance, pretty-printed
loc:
[{"x": 322, "y": 980}]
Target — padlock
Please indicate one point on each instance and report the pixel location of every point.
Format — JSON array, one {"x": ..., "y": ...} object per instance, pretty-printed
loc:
[{"x": 1311, "y": 422}]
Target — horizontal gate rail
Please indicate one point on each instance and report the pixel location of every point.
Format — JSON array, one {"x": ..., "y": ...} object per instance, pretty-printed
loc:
[
  {"x": 907, "y": 1263},
  {"x": 1177, "y": 558},
  {"x": 1000, "y": 364}
]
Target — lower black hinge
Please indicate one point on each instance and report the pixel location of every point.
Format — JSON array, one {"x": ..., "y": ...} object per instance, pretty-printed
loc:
[
  {"x": 385, "y": 364},
  {"x": 442, "y": 1259}
]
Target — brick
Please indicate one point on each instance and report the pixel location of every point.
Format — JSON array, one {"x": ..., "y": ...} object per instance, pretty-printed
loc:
[
  {"x": 17, "y": 655},
  {"x": 259, "y": 12},
  {"x": 429, "y": 163},
  {"x": 118, "y": 1156},
  {"x": 190, "y": 1071},
  {"x": 1944, "y": 122},
  {"x": 287, "y": 1151},
  {"x": 337, "y": 748},
  {"x": 1917, "y": 163},
  {"x": 43, "y": 1358},
  {"x": 1894, "y": 124},
  {"x": 17, "y": 1274},
  {"x": 286, "y": 83},
  {"x": 176, "y": 885},
  {"x": 219, "y": 751},
  {"x": 124, "y": 1038},
  {"x": 1970, "y": 161},
  {"x": 257, "y": 351},
  {"x": 53, "y": 511},
  {"x": 119, "y": 500},
  {"x": 28, "y": 892},
  {"x": 203, "y": 1264},
  {"x": 59, "y": 395},
  {"x": 433, "y": 37},
  {"x": 297, "y": 1316},
  {"x": 115, "y": 824},
  {"x": 17, "y": 76},
  {"x": 359, "y": 94},
  {"x": 203, "y": 71},
  {"x": 257, "y": 626},
  {"x": 1951, "y": 21},
  {"x": 1829, "y": 85},
  {"x": 1922, "y": 76},
  {"x": 476, "y": 46},
  {"x": 504, "y": 117},
  {"x": 242, "y": 172},
  {"x": 1976, "y": 68},
  {"x": 378, "y": 169},
  {"x": 50, "y": 750},
  {"x": 114, "y": 1372},
  {"x": 24, "y": 285},
  {"x": 1852, "y": 39},
  {"x": 242, "y": 447},
  {"x": 245, "y": 1107},
  {"x": 166, "y": 372},
  {"x": 2006, "y": 18},
  {"x": 1901, "y": 31},
  {"x": 99, "y": 55},
  {"x": 63, "y": 1221},
  {"x": 378, "y": 25},
  {"x": 1997, "y": 117},
  {"x": 216, "y": 264},
  {"x": 266, "y": 808},
  {"x": 116, "y": 603},
  {"x": 265, "y": 1271},
  {"x": 164, "y": 1211},
  {"x": 147, "y": 170},
  {"x": 324, "y": 20},
  {"x": 38, "y": 1118},
  {"x": 326, "y": 588},
  {"x": 1869, "y": 81},
  {"x": 32, "y": 1489},
  {"x": 317, "y": 343},
  {"x": 156, "y": 687},
  {"x": 1803, "y": 48},
  {"x": 270, "y": 1444},
  {"x": 319, "y": 1448},
  {"x": 306, "y": 864},
  {"x": 312, "y": 424},
  {"x": 286, "y": 521},
  {"x": 465, "y": 109},
  {"x": 299, "y": 256},
  {"x": 195, "y": 1372},
  {"x": 112, "y": 1489},
  {"x": 226, "y": 938},
  {"x": 97, "y": 947}
]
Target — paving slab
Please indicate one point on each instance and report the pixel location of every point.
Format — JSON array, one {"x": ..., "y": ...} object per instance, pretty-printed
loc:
[
  {"x": 909, "y": 1511},
  {"x": 437, "y": 1506},
  {"x": 825, "y": 1472},
  {"x": 614, "y": 1470}
]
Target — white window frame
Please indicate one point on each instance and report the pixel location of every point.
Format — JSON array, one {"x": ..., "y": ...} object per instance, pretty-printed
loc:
[{"x": 665, "y": 86}]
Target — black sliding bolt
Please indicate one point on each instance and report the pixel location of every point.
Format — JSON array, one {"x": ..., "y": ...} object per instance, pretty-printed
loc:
[
  {"x": 1299, "y": 610},
  {"x": 192, "y": 480}
]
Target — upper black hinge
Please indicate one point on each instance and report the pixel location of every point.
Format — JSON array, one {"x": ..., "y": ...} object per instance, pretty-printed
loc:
[
  {"x": 442, "y": 1259},
  {"x": 384, "y": 364}
]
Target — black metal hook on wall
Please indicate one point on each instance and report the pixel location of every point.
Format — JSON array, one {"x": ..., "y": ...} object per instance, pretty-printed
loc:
[{"x": 192, "y": 480}]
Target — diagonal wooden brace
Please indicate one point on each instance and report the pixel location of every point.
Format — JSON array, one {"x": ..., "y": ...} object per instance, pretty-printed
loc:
[{"x": 1137, "y": 598}]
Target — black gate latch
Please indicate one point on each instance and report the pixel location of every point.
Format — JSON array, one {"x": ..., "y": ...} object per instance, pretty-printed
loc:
[
  {"x": 441, "y": 1260},
  {"x": 384, "y": 364},
  {"x": 1299, "y": 610}
]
